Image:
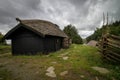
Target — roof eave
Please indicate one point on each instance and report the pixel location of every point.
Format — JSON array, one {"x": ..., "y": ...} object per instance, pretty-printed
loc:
[
  {"x": 8, "y": 34},
  {"x": 11, "y": 31}
]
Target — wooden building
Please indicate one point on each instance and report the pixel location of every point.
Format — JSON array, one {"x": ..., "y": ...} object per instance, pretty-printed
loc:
[{"x": 30, "y": 37}]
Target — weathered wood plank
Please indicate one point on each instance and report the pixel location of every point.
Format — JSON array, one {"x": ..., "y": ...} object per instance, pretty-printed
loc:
[
  {"x": 114, "y": 45},
  {"x": 109, "y": 59},
  {"x": 113, "y": 57},
  {"x": 113, "y": 53},
  {"x": 115, "y": 37},
  {"x": 114, "y": 42}
]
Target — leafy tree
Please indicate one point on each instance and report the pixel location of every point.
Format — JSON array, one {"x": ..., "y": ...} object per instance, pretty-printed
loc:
[
  {"x": 96, "y": 35},
  {"x": 72, "y": 32},
  {"x": 1, "y": 39}
]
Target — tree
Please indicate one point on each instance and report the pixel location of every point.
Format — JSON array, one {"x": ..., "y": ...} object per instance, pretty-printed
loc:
[
  {"x": 1, "y": 39},
  {"x": 72, "y": 33},
  {"x": 113, "y": 28}
]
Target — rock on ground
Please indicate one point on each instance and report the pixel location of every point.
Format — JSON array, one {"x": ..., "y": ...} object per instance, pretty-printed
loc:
[
  {"x": 82, "y": 76},
  {"x": 65, "y": 58},
  {"x": 50, "y": 69},
  {"x": 101, "y": 70},
  {"x": 92, "y": 43},
  {"x": 64, "y": 73},
  {"x": 50, "y": 72}
]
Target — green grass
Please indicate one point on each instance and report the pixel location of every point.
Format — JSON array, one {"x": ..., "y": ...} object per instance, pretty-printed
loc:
[
  {"x": 4, "y": 49},
  {"x": 5, "y": 74},
  {"x": 81, "y": 59}
]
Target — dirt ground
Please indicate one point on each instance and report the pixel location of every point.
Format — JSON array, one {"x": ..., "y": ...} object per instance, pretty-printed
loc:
[
  {"x": 35, "y": 69},
  {"x": 79, "y": 63}
]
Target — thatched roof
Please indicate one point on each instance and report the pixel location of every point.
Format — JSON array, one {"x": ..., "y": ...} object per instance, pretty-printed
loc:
[{"x": 40, "y": 27}]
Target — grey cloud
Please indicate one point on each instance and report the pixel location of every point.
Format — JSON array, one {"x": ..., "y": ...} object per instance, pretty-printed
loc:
[
  {"x": 86, "y": 15},
  {"x": 16, "y": 8}
]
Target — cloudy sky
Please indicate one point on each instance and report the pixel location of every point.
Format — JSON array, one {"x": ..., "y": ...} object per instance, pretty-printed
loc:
[{"x": 85, "y": 15}]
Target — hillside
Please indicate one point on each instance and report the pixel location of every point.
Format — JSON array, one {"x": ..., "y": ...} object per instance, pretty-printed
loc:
[
  {"x": 113, "y": 28},
  {"x": 79, "y": 62}
]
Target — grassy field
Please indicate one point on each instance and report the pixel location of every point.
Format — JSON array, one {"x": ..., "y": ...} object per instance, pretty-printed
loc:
[
  {"x": 4, "y": 49},
  {"x": 81, "y": 59}
]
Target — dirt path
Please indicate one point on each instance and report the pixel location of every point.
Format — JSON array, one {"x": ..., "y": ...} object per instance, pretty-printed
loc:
[{"x": 35, "y": 69}]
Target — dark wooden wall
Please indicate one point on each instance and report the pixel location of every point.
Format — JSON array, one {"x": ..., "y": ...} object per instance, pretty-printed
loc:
[
  {"x": 28, "y": 43},
  {"x": 52, "y": 43}
]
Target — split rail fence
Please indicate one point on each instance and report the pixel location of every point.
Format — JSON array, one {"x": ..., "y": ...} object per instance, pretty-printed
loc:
[{"x": 109, "y": 46}]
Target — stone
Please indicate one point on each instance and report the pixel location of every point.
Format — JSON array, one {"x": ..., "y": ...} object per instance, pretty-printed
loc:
[
  {"x": 64, "y": 73},
  {"x": 92, "y": 43},
  {"x": 65, "y": 58},
  {"x": 50, "y": 69},
  {"x": 101, "y": 70},
  {"x": 50, "y": 72},
  {"x": 82, "y": 76}
]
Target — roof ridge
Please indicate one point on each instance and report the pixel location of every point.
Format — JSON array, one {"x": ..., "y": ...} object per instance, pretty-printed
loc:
[
  {"x": 23, "y": 20},
  {"x": 34, "y": 20}
]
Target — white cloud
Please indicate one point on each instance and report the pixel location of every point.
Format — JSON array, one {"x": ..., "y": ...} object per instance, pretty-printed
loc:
[{"x": 85, "y": 33}]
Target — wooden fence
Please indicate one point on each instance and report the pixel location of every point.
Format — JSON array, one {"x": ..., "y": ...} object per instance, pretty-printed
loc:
[{"x": 109, "y": 46}]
